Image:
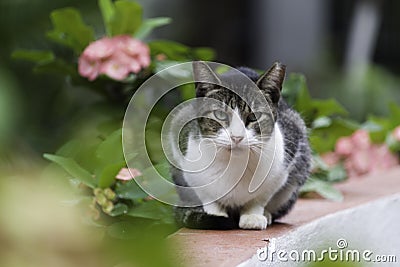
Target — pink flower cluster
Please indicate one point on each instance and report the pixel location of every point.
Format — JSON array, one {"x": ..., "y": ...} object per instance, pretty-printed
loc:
[
  {"x": 396, "y": 133},
  {"x": 115, "y": 57},
  {"x": 360, "y": 156},
  {"x": 126, "y": 174}
]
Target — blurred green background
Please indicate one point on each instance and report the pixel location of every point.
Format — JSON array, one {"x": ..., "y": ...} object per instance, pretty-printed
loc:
[{"x": 346, "y": 49}]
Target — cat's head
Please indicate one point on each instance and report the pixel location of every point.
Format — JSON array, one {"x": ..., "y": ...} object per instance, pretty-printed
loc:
[{"x": 236, "y": 121}]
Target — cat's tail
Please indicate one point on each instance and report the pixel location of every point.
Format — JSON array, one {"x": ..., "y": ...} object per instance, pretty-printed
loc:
[{"x": 196, "y": 218}]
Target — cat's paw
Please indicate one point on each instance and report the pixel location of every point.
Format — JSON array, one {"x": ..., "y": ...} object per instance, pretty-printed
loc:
[
  {"x": 253, "y": 221},
  {"x": 221, "y": 214},
  {"x": 269, "y": 217},
  {"x": 215, "y": 210}
]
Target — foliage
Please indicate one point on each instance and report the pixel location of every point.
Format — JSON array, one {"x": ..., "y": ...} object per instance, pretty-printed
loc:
[
  {"x": 322, "y": 179},
  {"x": 325, "y": 118},
  {"x": 95, "y": 166},
  {"x": 379, "y": 127},
  {"x": 363, "y": 91},
  {"x": 326, "y": 124},
  {"x": 121, "y": 17},
  {"x": 120, "y": 208}
]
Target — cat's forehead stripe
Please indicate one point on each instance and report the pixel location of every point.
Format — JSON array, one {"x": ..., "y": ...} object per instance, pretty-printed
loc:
[{"x": 214, "y": 91}]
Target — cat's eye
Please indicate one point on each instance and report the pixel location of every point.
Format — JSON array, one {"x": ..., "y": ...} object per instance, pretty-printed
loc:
[
  {"x": 254, "y": 116},
  {"x": 221, "y": 115}
]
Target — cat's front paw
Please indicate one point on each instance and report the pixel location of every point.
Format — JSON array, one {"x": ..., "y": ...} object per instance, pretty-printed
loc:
[
  {"x": 268, "y": 216},
  {"x": 253, "y": 221}
]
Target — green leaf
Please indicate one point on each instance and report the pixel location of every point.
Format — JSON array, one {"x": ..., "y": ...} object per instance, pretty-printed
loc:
[
  {"x": 164, "y": 169},
  {"x": 328, "y": 107},
  {"x": 154, "y": 146},
  {"x": 129, "y": 190},
  {"x": 394, "y": 113},
  {"x": 127, "y": 18},
  {"x": 392, "y": 143},
  {"x": 176, "y": 73},
  {"x": 325, "y": 189},
  {"x": 149, "y": 25},
  {"x": 187, "y": 91},
  {"x": 371, "y": 126},
  {"x": 107, "y": 11},
  {"x": 204, "y": 53},
  {"x": 110, "y": 150},
  {"x": 380, "y": 127},
  {"x": 122, "y": 230},
  {"x": 70, "y": 149},
  {"x": 56, "y": 66},
  {"x": 109, "y": 126},
  {"x": 292, "y": 87},
  {"x": 70, "y": 30},
  {"x": 324, "y": 139},
  {"x": 109, "y": 173},
  {"x": 73, "y": 168},
  {"x": 152, "y": 209},
  {"x": 337, "y": 174},
  {"x": 173, "y": 51},
  {"x": 321, "y": 122},
  {"x": 46, "y": 62},
  {"x": 178, "y": 52},
  {"x": 33, "y": 55},
  {"x": 119, "y": 209},
  {"x": 319, "y": 164},
  {"x": 86, "y": 156},
  {"x": 222, "y": 69},
  {"x": 296, "y": 93}
]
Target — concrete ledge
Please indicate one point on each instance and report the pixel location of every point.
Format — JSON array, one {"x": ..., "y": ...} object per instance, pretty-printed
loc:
[{"x": 368, "y": 218}]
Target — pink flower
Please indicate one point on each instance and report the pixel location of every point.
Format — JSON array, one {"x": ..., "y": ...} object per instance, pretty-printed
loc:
[
  {"x": 360, "y": 161},
  {"x": 99, "y": 49},
  {"x": 88, "y": 68},
  {"x": 383, "y": 158},
  {"x": 360, "y": 139},
  {"x": 344, "y": 146},
  {"x": 350, "y": 170},
  {"x": 115, "y": 57},
  {"x": 396, "y": 133},
  {"x": 161, "y": 57},
  {"x": 126, "y": 174},
  {"x": 114, "y": 69},
  {"x": 330, "y": 158},
  {"x": 360, "y": 156}
]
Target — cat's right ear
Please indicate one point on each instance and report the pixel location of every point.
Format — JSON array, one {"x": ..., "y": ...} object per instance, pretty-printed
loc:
[
  {"x": 272, "y": 80},
  {"x": 204, "y": 77}
]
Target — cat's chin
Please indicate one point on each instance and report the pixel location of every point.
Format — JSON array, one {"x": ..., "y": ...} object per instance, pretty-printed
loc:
[{"x": 236, "y": 148}]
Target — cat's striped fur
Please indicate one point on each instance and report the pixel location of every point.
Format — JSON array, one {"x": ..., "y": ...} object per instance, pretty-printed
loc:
[{"x": 281, "y": 134}]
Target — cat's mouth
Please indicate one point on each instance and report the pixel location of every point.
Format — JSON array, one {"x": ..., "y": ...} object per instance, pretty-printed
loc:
[
  {"x": 234, "y": 147},
  {"x": 231, "y": 146}
]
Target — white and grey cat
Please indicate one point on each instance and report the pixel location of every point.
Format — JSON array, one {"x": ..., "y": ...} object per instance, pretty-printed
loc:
[{"x": 275, "y": 141}]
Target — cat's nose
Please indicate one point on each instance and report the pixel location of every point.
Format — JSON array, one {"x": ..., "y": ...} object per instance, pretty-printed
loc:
[{"x": 237, "y": 139}]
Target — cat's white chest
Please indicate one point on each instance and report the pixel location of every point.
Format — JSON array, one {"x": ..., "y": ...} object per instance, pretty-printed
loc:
[{"x": 233, "y": 178}]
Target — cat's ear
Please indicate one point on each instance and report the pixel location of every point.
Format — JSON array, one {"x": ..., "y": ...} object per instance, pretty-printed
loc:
[
  {"x": 205, "y": 78},
  {"x": 271, "y": 81}
]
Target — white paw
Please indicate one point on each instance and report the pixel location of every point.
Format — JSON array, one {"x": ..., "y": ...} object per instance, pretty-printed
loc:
[
  {"x": 253, "y": 221},
  {"x": 213, "y": 209},
  {"x": 222, "y": 214},
  {"x": 269, "y": 217}
]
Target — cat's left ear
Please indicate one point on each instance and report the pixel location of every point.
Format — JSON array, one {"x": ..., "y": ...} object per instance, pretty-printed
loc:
[
  {"x": 271, "y": 81},
  {"x": 205, "y": 78}
]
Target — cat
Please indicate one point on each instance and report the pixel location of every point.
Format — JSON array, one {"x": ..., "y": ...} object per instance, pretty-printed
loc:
[{"x": 276, "y": 139}]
